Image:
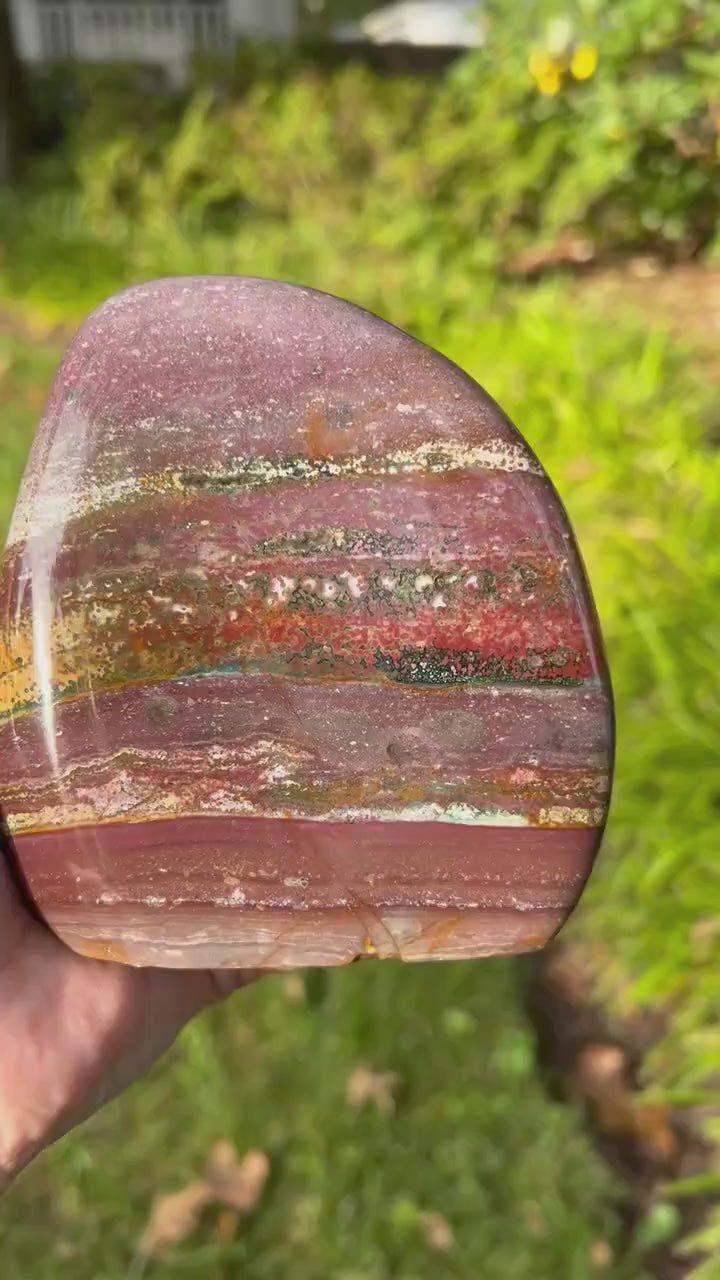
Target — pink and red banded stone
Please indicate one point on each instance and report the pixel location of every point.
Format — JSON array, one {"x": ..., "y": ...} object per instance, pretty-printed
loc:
[{"x": 297, "y": 657}]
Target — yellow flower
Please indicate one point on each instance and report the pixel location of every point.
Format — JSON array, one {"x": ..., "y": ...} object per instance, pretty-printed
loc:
[
  {"x": 538, "y": 63},
  {"x": 584, "y": 61},
  {"x": 545, "y": 71},
  {"x": 549, "y": 82}
]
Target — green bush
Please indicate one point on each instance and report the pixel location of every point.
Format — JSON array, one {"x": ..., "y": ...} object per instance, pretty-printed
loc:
[
  {"x": 589, "y": 135},
  {"x": 620, "y": 419},
  {"x": 401, "y": 196},
  {"x": 596, "y": 131}
]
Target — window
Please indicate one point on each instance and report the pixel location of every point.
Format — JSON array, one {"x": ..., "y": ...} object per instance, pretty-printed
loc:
[
  {"x": 56, "y": 31},
  {"x": 209, "y": 24}
]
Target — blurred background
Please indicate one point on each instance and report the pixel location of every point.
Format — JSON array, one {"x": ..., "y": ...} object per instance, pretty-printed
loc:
[{"x": 533, "y": 187}]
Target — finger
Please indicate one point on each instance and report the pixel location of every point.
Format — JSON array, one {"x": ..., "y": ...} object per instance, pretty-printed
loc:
[{"x": 14, "y": 919}]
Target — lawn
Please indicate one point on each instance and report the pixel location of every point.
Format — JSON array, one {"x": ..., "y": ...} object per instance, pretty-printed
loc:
[
  {"x": 621, "y": 417},
  {"x": 472, "y": 1136},
  {"x": 473, "y": 1139},
  {"x": 421, "y": 206}
]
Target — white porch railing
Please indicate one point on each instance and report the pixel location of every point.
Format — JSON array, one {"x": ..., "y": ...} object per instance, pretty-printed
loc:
[{"x": 135, "y": 29}]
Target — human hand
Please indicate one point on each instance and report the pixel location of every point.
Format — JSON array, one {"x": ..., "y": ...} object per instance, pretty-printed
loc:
[{"x": 74, "y": 1032}]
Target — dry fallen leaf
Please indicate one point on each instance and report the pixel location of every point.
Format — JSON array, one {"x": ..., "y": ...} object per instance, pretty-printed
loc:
[
  {"x": 437, "y": 1231},
  {"x": 601, "y": 1067},
  {"x": 601, "y": 1081},
  {"x": 364, "y": 1085},
  {"x": 601, "y": 1255},
  {"x": 654, "y": 1132},
  {"x": 233, "y": 1183},
  {"x": 173, "y": 1218},
  {"x": 237, "y": 1183}
]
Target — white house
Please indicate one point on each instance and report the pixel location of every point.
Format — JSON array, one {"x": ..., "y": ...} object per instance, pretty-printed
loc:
[{"x": 159, "y": 32}]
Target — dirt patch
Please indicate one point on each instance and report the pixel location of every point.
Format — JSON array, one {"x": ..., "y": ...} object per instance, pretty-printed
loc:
[
  {"x": 596, "y": 1062},
  {"x": 685, "y": 298},
  {"x": 682, "y": 297}
]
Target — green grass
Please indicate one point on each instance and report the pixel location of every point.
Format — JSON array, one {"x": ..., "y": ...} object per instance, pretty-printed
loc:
[
  {"x": 473, "y": 1138},
  {"x": 623, "y": 420},
  {"x": 341, "y": 186},
  {"x": 26, "y": 369}
]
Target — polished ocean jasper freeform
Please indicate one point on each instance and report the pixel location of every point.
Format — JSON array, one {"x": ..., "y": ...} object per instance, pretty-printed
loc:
[{"x": 298, "y": 661}]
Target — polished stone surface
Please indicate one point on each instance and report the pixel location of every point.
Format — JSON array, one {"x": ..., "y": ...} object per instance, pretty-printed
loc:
[{"x": 297, "y": 657}]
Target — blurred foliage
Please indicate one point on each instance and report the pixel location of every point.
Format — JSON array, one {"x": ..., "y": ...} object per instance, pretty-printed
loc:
[
  {"x": 588, "y": 131},
  {"x": 623, "y": 421},
  {"x": 473, "y": 1139},
  {"x": 588, "y": 135}
]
